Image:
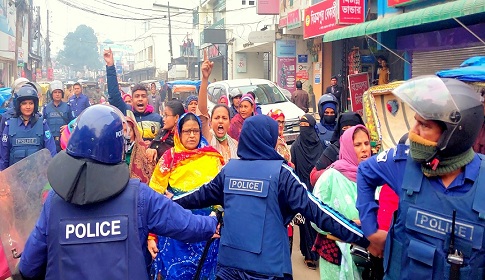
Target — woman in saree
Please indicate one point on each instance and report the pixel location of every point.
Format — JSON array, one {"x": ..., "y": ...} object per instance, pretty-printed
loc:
[
  {"x": 183, "y": 168},
  {"x": 337, "y": 187},
  {"x": 215, "y": 127}
]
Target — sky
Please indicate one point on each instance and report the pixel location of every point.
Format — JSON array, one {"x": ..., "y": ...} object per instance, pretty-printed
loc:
[{"x": 65, "y": 18}]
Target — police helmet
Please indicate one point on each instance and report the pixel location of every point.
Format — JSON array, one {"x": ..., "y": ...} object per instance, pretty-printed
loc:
[
  {"x": 449, "y": 102},
  {"x": 56, "y": 85},
  {"x": 327, "y": 98},
  {"x": 235, "y": 92},
  {"x": 98, "y": 135},
  {"x": 27, "y": 92},
  {"x": 18, "y": 83}
]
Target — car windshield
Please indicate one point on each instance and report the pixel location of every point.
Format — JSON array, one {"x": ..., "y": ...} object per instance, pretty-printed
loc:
[{"x": 265, "y": 93}]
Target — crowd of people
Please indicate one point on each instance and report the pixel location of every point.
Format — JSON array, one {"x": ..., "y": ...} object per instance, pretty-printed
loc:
[{"x": 133, "y": 170}]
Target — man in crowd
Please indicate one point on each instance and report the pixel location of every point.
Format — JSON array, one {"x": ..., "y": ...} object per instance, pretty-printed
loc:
[
  {"x": 154, "y": 98},
  {"x": 57, "y": 113},
  {"x": 148, "y": 121},
  {"x": 440, "y": 185},
  {"x": 300, "y": 97},
  {"x": 95, "y": 222},
  {"x": 335, "y": 89},
  {"x": 78, "y": 101}
]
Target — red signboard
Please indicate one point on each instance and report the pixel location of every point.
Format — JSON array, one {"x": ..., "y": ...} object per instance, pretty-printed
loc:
[
  {"x": 358, "y": 84},
  {"x": 282, "y": 22},
  {"x": 392, "y": 3},
  {"x": 351, "y": 11},
  {"x": 294, "y": 19},
  {"x": 320, "y": 18},
  {"x": 50, "y": 74}
]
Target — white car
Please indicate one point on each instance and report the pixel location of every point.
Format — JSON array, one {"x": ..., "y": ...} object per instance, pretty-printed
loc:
[{"x": 268, "y": 96}]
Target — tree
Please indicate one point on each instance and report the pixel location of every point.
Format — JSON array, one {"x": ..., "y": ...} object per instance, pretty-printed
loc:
[{"x": 80, "y": 50}]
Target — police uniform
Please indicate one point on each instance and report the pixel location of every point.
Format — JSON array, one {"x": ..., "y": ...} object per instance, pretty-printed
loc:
[
  {"x": 78, "y": 104},
  {"x": 417, "y": 243},
  {"x": 95, "y": 221},
  {"x": 56, "y": 117},
  {"x": 259, "y": 203},
  {"x": 20, "y": 140},
  {"x": 324, "y": 135}
]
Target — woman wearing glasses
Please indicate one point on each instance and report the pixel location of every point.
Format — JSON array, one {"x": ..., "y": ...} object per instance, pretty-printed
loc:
[{"x": 181, "y": 169}]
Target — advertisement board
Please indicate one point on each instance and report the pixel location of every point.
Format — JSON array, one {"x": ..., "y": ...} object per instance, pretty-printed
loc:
[{"x": 358, "y": 84}]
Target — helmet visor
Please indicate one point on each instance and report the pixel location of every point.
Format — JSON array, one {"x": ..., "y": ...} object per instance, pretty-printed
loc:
[{"x": 438, "y": 99}]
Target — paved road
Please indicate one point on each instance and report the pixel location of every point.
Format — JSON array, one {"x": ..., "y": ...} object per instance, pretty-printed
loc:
[{"x": 300, "y": 271}]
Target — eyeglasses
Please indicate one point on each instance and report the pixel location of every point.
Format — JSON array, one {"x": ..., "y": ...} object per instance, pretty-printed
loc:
[
  {"x": 165, "y": 115},
  {"x": 281, "y": 122},
  {"x": 190, "y": 131}
]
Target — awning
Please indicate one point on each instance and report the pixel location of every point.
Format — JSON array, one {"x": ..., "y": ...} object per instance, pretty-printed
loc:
[{"x": 431, "y": 14}]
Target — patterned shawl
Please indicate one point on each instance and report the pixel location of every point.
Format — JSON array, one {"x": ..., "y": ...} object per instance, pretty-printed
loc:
[{"x": 140, "y": 168}]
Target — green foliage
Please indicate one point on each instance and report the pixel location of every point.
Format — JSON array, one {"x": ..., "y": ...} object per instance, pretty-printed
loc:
[{"x": 81, "y": 49}]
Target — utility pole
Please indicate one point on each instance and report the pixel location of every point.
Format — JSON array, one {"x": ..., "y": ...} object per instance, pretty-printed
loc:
[
  {"x": 170, "y": 34},
  {"x": 20, "y": 5},
  {"x": 48, "y": 45}
]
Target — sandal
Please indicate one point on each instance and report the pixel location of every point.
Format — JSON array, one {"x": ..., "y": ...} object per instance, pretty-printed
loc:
[{"x": 311, "y": 264}]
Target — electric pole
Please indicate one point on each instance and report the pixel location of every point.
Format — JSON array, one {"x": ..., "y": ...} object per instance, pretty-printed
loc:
[
  {"x": 170, "y": 34},
  {"x": 19, "y": 15},
  {"x": 48, "y": 45}
]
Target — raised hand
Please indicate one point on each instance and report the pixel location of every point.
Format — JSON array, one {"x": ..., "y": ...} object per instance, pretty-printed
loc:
[
  {"x": 206, "y": 67},
  {"x": 108, "y": 57}
]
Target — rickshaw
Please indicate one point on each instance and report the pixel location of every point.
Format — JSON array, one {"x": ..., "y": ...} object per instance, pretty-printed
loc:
[{"x": 181, "y": 92}]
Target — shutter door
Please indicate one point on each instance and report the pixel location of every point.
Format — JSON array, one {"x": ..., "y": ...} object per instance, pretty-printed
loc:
[{"x": 428, "y": 63}]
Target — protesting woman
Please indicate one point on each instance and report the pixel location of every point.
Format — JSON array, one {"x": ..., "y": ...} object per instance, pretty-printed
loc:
[
  {"x": 337, "y": 187},
  {"x": 220, "y": 120},
  {"x": 246, "y": 110},
  {"x": 281, "y": 146},
  {"x": 183, "y": 168}
]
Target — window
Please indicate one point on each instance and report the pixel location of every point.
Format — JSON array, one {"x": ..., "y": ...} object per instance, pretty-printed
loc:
[
  {"x": 251, "y": 2},
  {"x": 243, "y": 2},
  {"x": 150, "y": 53}
]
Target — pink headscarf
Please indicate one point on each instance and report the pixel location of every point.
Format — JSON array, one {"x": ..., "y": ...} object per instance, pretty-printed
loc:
[{"x": 348, "y": 162}]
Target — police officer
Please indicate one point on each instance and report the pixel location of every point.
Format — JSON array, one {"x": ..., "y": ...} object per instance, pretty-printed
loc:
[
  {"x": 259, "y": 203},
  {"x": 440, "y": 176},
  {"x": 95, "y": 222},
  {"x": 10, "y": 113},
  {"x": 57, "y": 112},
  {"x": 328, "y": 111},
  {"x": 27, "y": 132},
  {"x": 235, "y": 97}
]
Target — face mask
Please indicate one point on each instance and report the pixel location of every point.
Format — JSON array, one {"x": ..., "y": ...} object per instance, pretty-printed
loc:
[{"x": 329, "y": 119}]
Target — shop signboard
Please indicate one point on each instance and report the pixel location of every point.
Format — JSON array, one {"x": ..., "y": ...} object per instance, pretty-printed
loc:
[
  {"x": 267, "y": 7},
  {"x": 282, "y": 22},
  {"x": 320, "y": 18},
  {"x": 350, "y": 11},
  {"x": 358, "y": 84},
  {"x": 286, "y": 48},
  {"x": 393, "y": 3},
  {"x": 294, "y": 19}
]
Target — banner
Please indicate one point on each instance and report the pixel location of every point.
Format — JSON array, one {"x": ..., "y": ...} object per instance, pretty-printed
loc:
[
  {"x": 267, "y": 7},
  {"x": 282, "y": 22},
  {"x": 392, "y": 3},
  {"x": 294, "y": 19},
  {"x": 320, "y": 18},
  {"x": 358, "y": 84},
  {"x": 351, "y": 11},
  {"x": 286, "y": 67}
]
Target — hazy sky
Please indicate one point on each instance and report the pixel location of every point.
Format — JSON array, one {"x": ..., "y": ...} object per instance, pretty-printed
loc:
[{"x": 65, "y": 19}]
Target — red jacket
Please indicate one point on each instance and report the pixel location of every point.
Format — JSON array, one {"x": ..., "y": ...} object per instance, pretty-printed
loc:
[
  {"x": 479, "y": 145},
  {"x": 388, "y": 203}
]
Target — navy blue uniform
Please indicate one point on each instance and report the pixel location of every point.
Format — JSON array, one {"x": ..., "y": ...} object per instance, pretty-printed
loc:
[
  {"x": 20, "y": 140},
  {"x": 56, "y": 117},
  {"x": 418, "y": 241}
]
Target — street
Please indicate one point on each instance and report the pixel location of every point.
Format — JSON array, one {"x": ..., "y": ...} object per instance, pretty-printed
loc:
[{"x": 300, "y": 271}]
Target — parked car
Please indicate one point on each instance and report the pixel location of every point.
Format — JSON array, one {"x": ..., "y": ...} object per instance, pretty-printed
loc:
[
  {"x": 268, "y": 96},
  {"x": 286, "y": 92}
]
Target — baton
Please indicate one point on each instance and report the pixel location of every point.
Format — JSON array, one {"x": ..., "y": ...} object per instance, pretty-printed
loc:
[{"x": 219, "y": 211}]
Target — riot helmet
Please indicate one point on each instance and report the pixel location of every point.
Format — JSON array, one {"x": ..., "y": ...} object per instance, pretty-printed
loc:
[
  {"x": 99, "y": 135},
  {"x": 18, "y": 83},
  {"x": 235, "y": 92},
  {"x": 27, "y": 92},
  {"x": 449, "y": 102},
  {"x": 56, "y": 85},
  {"x": 327, "y": 98}
]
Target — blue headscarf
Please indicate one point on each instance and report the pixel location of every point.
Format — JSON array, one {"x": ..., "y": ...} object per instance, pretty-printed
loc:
[
  {"x": 189, "y": 99},
  {"x": 202, "y": 142},
  {"x": 258, "y": 139}
]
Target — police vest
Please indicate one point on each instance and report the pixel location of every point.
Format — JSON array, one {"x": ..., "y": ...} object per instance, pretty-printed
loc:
[
  {"x": 418, "y": 243},
  {"x": 96, "y": 241},
  {"x": 324, "y": 135},
  {"x": 254, "y": 230},
  {"x": 25, "y": 142},
  {"x": 56, "y": 117}
]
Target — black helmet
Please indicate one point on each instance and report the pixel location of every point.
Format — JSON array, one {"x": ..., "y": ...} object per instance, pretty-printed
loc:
[
  {"x": 26, "y": 92},
  {"x": 449, "y": 101}
]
